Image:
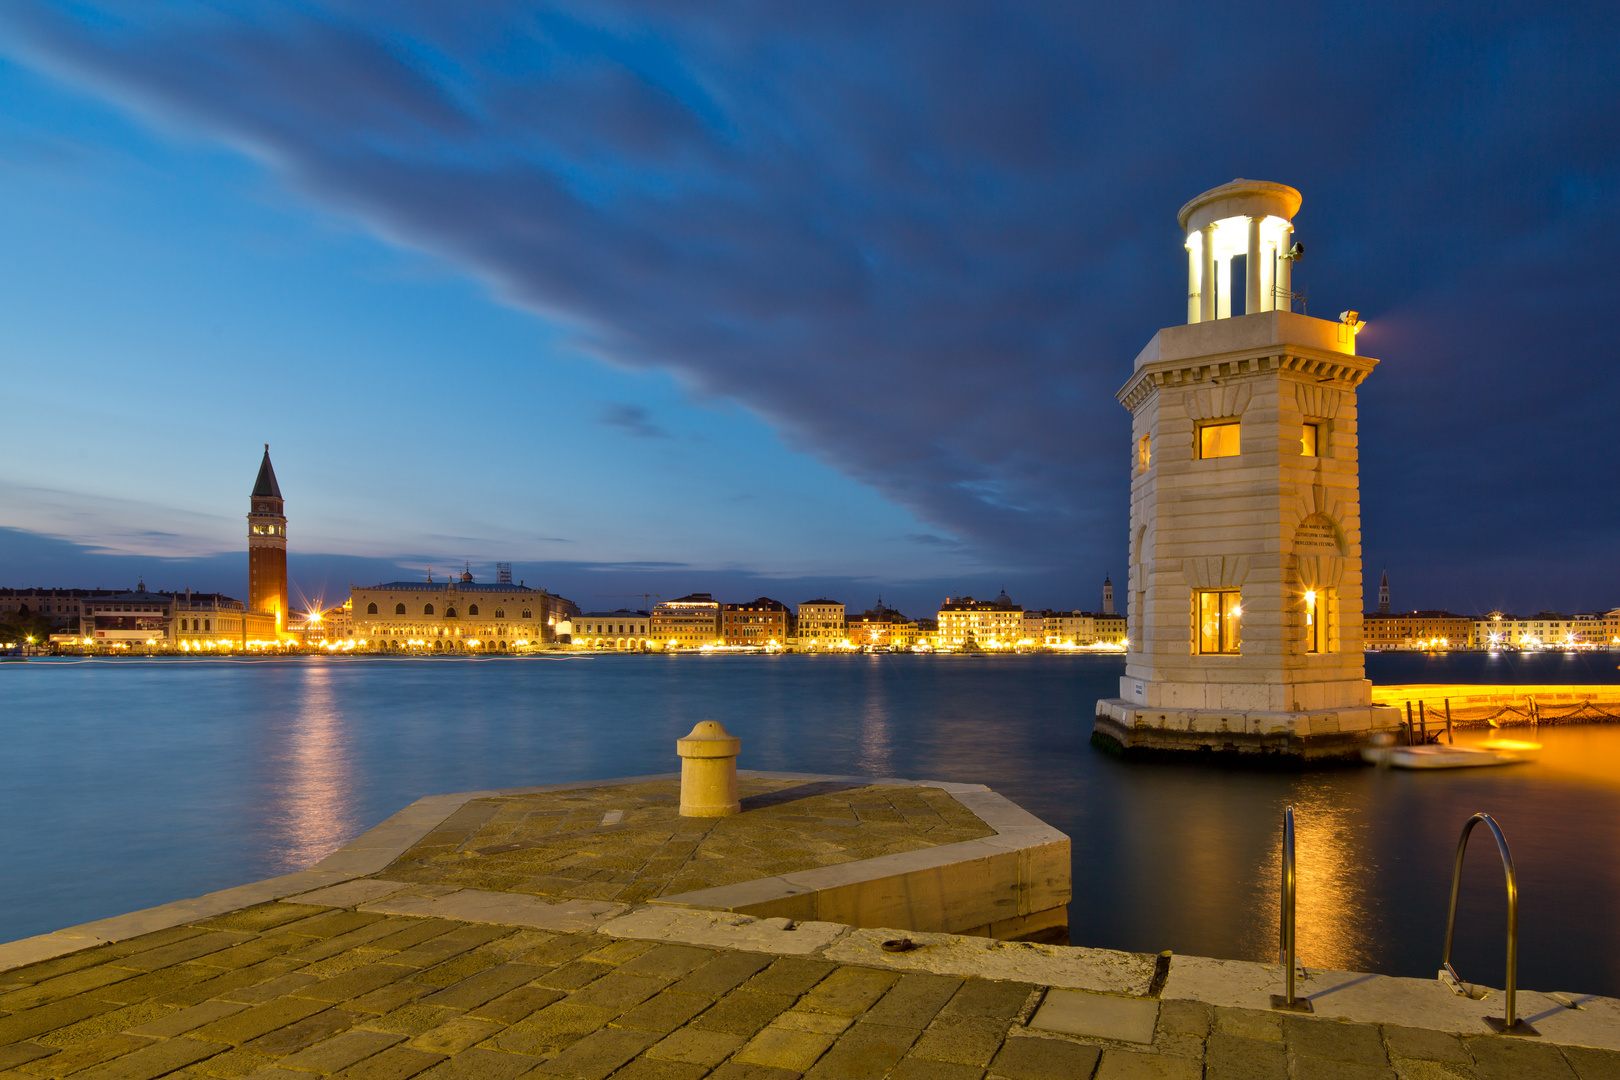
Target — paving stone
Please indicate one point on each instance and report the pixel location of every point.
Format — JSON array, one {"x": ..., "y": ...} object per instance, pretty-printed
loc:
[
  {"x": 665, "y": 1012},
  {"x": 1173, "y": 1045},
  {"x": 412, "y": 1019},
  {"x": 865, "y": 1051},
  {"x": 454, "y": 1036},
  {"x": 164, "y": 1056},
  {"x": 385, "y": 1000},
  {"x": 414, "y": 932},
  {"x": 1186, "y": 1018},
  {"x": 645, "y": 1068},
  {"x": 180, "y": 951},
  {"x": 551, "y": 1030},
  {"x": 617, "y": 992},
  {"x": 355, "y": 983},
  {"x": 341, "y": 1051},
  {"x": 669, "y": 962},
  {"x": 36, "y": 1021},
  {"x": 923, "y": 1069},
  {"x": 23, "y": 1052},
  {"x": 784, "y": 1048},
  {"x": 485, "y": 986},
  {"x": 1033, "y": 1058},
  {"x": 1357, "y": 1044},
  {"x": 515, "y": 1005},
  {"x": 74, "y": 961},
  {"x": 107, "y": 1023},
  {"x": 1418, "y": 1069},
  {"x": 723, "y": 974},
  {"x": 331, "y": 924},
  {"x": 983, "y": 997},
  {"x": 1239, "y": 1057},
  {"x": 1127, "y": 1065},
  {"x": 1499, "y": 1058},
  {"x": 152, "y": 984},
  {"x": 395, "y": 1063},
  {"x": 1249, "y": 1024},
  {"x": 83, "y": 1055},
  {"x": 453, "y": 943},
  {"x": 219, "y": 985},
  {"x": 1309, "y": 1068},
  {"x": 251, "y": 952},
  {"x": 965, "y": 1040},
  {"x": 269, "y": 990},
  {"x": 598, "y": 1054},
  {"x": 736, "y": 1070},
  {"x": 574, "y": 975},
  {"x": 913, "y": 1001},
  {"x": 130, "y": 946},
  {"x": 304, "y": 1033},
  {"x": 1425, "y": 1045},
  {"x": 797, "y": 1019},
  {"x": 458, "y": 968},
  {"x": 260, "y": 1020},
  {"x": 481, "y": 1063},
  {"x": 848, "y": 991},
  {"x": 789, "y": 975},
  {"x": 233, "y": 1064},
  {"x": 696, "y": 1046},
  {"x": 743, "y": 1012},
  {"x": 64, "y": 986},
  {"x": 262, "y": 917},
  {"x": 1098, "y": 1016},
  {"x": 1593, "y": 1064}
]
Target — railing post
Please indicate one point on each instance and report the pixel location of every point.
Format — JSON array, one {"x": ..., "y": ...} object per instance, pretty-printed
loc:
[
  {"x": 1508, "y": 1023},
  {"x": 1423, "y": 726},
  {"x": 1287, "y": 1000},
  {"x": 1449, "y": 739}
]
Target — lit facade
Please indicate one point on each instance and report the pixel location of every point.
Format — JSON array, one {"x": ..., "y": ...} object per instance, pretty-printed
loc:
[
  {"x": 621, "y": 629},
  {"x": 455, "y": 616},
  {"x": 760, "y": 623},
  {"x": 687, "y": 622},
  {"x": 966, "y": 623},
  {"x": 821, "y": 624},
  {"x": 1417, "y": 629}
]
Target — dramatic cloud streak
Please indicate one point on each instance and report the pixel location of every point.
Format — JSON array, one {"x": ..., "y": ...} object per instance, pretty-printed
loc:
[{"x": 925, "y": 240}]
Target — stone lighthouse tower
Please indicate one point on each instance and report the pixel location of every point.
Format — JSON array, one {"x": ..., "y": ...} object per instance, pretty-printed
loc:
[
  {"x": 267, "y": 549},
  {"x": 1244, "y": 594}
]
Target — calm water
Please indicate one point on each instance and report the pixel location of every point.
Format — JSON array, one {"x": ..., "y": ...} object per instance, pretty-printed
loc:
[{"x": 132, "y": 783}]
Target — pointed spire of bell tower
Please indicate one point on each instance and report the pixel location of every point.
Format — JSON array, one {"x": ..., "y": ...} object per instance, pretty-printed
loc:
[{"x": 266, "y": 484}]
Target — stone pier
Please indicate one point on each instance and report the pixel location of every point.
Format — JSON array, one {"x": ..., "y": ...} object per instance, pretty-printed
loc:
[{"x": 500, "y": 934}]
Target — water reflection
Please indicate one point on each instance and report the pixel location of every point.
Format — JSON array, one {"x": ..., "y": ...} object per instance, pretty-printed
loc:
[
  {"x": 1332, "y": 865},
  {"x": 311, "y": 806}
]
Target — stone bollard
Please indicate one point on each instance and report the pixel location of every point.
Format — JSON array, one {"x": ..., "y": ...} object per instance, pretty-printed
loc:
[{"x": 709, "y": 771}]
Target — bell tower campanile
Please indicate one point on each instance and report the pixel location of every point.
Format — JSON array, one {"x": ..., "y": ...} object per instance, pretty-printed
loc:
[
  {"x": 267, "y": 547},
  {"x": 1244, "y": 596}
]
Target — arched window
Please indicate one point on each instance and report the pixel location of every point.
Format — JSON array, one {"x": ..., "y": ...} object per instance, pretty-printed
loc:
[
  {"x": 371, "y": 609},
  {"x": 472, "y": 609},
  {"x": 449, "y": 612},
  {"x": 500, "y": 613},
  {"x": 427, "y": 609},
  {"x": 526, "y": 614},
  {"x": 205, "y": 626},
  {"x": 399, "y": 609}
]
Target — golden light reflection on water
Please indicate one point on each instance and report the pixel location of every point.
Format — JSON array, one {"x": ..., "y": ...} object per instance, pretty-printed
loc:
[
  {"x": 312, "y": 798},
  {"x": 1586, "y": 752},
  {"x": 1333, "y": 918}
]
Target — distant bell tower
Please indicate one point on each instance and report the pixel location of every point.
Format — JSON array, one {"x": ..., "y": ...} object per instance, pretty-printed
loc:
[
  {"x": 267, "y": 546},
  {"x": 1383, "y": 595},
  {"x": 1244, "y": 596},
  {"x": 1108, "y": 595}
]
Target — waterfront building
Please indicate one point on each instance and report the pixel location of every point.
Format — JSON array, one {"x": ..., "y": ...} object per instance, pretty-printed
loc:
[
  {"x": 1417, "y": 629},
  {"x": 619, "y": 629},
  {"x": 128, "y": 619},
  {"x": 1547, "y": 629},
  {"x": 1109, "y": 628},
  {"x": 208, "y": 620},
  {"x": 1244, "y": 589},
  {"x": 881, "y": 627},
  {"x": 334, "y": 624},
  {"x": 687, "y": 622},
  {"x": 821, "y": 624},
  {"x": 1050, "y": 628},
  {"x": 61, "y": 609},
  {"x": 456, "y": 615},
  {"x": 966, "y": 623},
  {"x": 761, "y": 622},
  {"x": 267, "y": 607}
]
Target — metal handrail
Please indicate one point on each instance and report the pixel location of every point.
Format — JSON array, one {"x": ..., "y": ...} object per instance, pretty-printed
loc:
[
  {"x": 1509, "y": 1023},
  {"x": 1287, "y": 1000}
]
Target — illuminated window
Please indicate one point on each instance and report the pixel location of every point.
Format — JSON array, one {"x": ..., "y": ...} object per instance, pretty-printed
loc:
[
  {"x": 1316, "y": 618},
  {"x": 1219, "y": 613},
  {"x": 1311, "y": 440},
  {"x": 1218, "y": 440},
  {"x": 1144, "y": 454}
]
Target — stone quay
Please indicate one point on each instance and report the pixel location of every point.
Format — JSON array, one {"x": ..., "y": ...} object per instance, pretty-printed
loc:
[{"x": 834, "y": 927}]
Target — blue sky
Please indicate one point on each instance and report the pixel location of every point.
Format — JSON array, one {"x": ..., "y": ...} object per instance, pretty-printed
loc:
[{"x": 775, "y": 300}]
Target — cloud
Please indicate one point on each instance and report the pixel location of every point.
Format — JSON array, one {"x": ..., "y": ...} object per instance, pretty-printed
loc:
[
  {"x": 634, "y": 419},
  {"x": 924, "y": 241}
]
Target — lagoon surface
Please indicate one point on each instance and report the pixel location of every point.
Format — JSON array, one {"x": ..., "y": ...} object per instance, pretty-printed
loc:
[{"x": 130, "y": 783}]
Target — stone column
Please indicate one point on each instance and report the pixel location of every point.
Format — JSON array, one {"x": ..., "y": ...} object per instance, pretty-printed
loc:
[
  {"x": 1251, "y": 298},
  {"x": 709, "y": 771},
  {"x": 1223, "y": 288},
  {"x": 1193, "y": 304},
  {"x": 1206, "y": 282},
  {"x": 1285, "y": 271}
]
